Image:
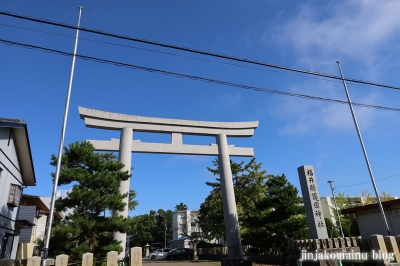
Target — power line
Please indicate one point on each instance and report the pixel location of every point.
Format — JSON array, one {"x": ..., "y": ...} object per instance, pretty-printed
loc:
[
  {"x": 123, "y": 37},
  {"x": 226, "y": 83},
  {"x": 179, "y": 55},
  {"x": 160, "y": 52},
  {"x": 368, "y": 181},
  {"x": 186, "y": 56}
]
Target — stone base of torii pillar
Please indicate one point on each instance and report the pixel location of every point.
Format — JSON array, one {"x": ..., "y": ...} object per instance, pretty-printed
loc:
[
  {"x": 220, "y": 130},
  {"x": 238, "y": 261}
]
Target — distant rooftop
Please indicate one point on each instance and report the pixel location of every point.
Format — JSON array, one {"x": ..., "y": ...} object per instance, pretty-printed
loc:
[
  {"x": 63, "y": 193},
  {"x": 12, "y": 120},
  {"x": 374, "y": 206}
]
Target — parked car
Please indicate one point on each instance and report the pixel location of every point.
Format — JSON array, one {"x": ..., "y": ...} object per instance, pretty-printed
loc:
[
  {"x": 159, "y": 253},
  {"x": 179, "y": 253}
]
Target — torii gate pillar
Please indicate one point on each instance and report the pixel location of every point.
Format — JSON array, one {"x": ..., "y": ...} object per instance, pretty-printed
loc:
[
  {"x": 228, "y": 199},
  {"x": 125, "y": 157}
]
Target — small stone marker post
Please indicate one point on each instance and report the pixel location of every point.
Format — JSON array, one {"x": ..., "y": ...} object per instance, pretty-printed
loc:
[
  {"x": 195, "y": 256},
  {"x": 312, "y": 203},
  {"x": 392, "y": 247},
  {"x": 147, "y": 250},
  {"x": 379, "y": 249},
  {"x": 112, "y": 258},
  {"x": 62, "y": 260},
  {"x": 87, "y": 259},
  {"x": 136, "y": 256},
  {"x": 34, "y": 261},
  {"x": 49, "y": 262}
]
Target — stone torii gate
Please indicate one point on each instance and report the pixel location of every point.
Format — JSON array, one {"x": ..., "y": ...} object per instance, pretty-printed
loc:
[{"x": 221, "y": 130}]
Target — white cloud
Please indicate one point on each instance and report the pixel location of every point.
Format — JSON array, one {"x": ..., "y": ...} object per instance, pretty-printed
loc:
[
  {"x": 362, "y": 30},
  {"x": 303, "y": 116},
  {"x": 363, "y": 35}
]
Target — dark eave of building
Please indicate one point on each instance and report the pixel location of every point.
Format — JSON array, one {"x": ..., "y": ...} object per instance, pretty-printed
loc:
[
  {"x": 35, "y": 201},
  {"x": 385, "y": 204},
  {"x": 23, "y": 147}
]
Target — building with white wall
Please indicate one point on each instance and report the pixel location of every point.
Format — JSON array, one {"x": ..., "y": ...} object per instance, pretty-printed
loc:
[
  {"x": 42, "y": 220},
  {"x": 34, "y": 210},
  {"x": 16, "y": 172},
  {"x": 184, "y": 224}
]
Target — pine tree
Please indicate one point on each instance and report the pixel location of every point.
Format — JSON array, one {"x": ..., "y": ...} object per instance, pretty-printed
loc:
[
  {"x": 211, "y": 216},
  {"x": 91, "y": 204},
  {"x": 181, "y": 207},
  {"x": 279, "y": 217},
  {"x": 249, "y": 186}
]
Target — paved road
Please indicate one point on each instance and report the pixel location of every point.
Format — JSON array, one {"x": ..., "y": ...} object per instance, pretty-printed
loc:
[{"x": 149, "y": 262}]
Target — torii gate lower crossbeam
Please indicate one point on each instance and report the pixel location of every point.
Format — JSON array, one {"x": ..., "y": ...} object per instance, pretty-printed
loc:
[{"x": 221, "y": 130}]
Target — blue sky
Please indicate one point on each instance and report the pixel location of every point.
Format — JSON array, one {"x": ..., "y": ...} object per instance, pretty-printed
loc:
[{"x": 310, "y": 35}]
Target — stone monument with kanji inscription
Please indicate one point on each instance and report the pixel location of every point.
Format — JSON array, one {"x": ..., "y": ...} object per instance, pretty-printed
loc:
[{"x": 312, "y": 203}]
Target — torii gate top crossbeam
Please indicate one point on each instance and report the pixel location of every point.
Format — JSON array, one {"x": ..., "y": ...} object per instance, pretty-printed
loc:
[{"x": 114, "y": 121}]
